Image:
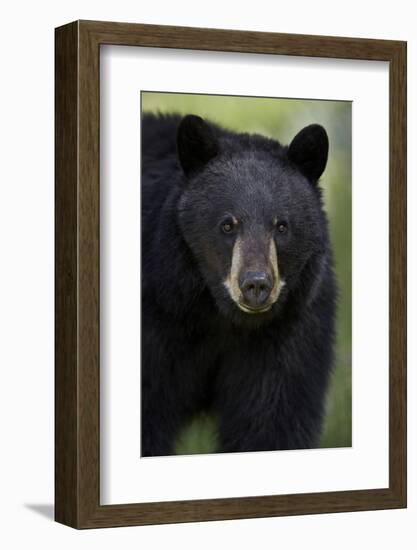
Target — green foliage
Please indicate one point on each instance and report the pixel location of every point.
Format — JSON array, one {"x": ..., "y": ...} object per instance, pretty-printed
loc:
[
  {"x": 282, "y": 119},
  {"x": 199, "y": 436}
]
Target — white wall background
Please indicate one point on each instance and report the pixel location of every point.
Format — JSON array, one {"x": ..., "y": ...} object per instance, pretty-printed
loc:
[{"x": 26, "y": 273}]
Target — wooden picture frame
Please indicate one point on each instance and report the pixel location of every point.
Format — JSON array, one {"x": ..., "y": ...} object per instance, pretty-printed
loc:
[{"x": 77, "y": 374}]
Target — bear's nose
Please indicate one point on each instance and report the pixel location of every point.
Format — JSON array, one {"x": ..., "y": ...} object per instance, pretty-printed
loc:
[{"x": 256, "y": 287}]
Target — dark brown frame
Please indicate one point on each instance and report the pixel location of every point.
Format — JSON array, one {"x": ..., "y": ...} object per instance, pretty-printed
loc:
[{"x": 77, "y": 274}]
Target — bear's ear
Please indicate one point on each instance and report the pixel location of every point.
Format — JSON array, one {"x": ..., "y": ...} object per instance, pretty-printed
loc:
[
  {"x": 309, "y": 150},
  {"x": 196, "y": 143}
]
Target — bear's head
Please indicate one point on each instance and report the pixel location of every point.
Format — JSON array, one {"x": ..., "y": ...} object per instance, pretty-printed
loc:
[{"x": 251, "y": 213}]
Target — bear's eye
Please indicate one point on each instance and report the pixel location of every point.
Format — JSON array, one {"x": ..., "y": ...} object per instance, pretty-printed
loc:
[
  {"x": 282, "y": 227},
  {"x": 228, "y": 225}
]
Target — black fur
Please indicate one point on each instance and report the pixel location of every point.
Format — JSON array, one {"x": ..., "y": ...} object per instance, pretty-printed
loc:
[{"x": 264, "y": 376}]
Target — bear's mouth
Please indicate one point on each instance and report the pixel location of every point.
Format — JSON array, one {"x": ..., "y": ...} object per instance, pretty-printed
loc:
[{"x": 253, "y": 311}]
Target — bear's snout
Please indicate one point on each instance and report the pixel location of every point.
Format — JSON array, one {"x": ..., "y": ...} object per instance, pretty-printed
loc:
[{"x": 256, "y": 287}]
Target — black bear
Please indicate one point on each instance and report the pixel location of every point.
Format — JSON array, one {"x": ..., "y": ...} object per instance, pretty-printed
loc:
[{"x": 238, "y": 290}]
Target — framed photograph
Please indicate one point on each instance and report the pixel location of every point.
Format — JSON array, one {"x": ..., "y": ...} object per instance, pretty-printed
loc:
[{"x": 230, "y": 274}]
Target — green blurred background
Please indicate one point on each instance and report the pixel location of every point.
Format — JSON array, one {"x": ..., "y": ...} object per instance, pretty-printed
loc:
[{"x": 282, "y": 119}]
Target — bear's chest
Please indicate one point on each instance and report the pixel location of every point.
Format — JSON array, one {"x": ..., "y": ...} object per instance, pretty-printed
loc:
[{"x": 207, "y": 350}]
